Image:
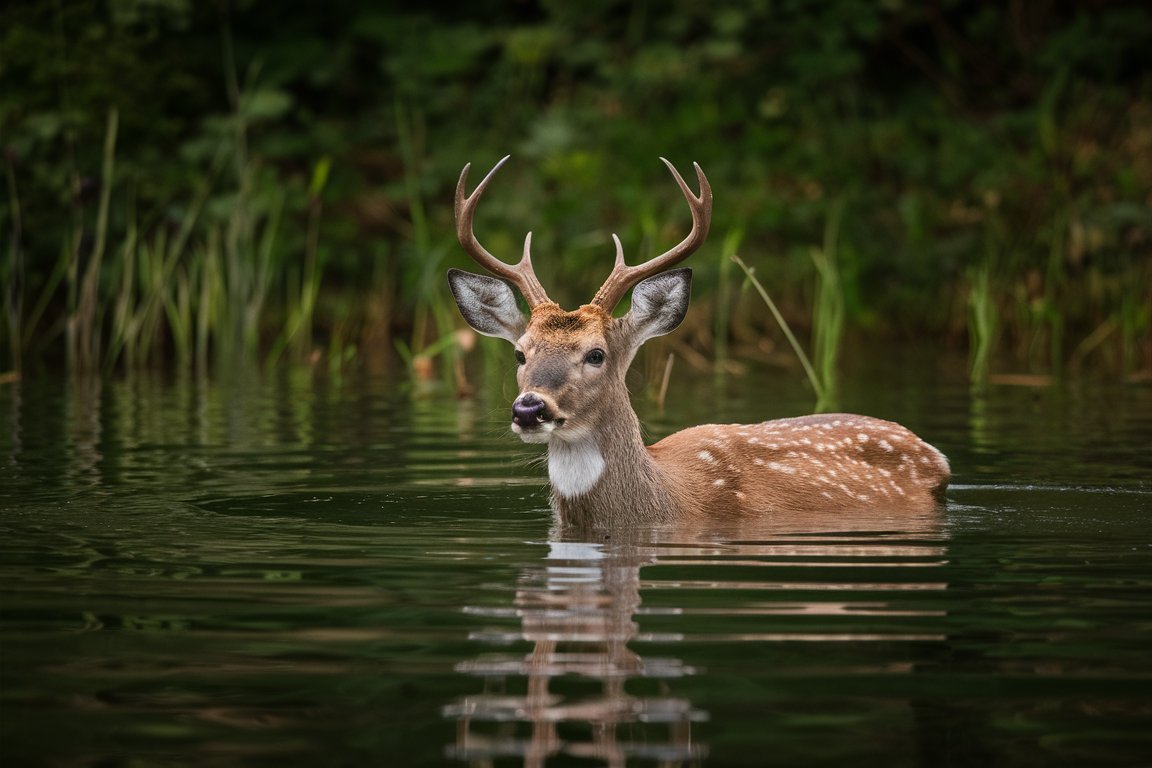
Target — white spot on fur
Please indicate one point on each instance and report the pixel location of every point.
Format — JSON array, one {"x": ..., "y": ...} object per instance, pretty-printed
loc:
[
  {"x": 574, "y": 468},
  {"x": 718, "y": 482},
  {"x": 778, "y": 467},
  {"x": 706, "y": 457}
]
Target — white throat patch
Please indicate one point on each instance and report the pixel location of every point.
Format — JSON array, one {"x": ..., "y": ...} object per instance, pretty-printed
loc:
[{"x": 574, "y": 468}]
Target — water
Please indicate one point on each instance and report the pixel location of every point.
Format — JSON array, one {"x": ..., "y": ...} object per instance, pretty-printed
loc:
[{"x": 302, "y": 571}]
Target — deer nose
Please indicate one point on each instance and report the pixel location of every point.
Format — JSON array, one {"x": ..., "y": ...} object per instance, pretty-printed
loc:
[{"x": 528, "y": 410}]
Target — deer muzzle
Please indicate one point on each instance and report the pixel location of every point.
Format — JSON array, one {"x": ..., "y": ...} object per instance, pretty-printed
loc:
[
  {"x": 534, "y": 417},
  {"x": 530, "y": 411}
]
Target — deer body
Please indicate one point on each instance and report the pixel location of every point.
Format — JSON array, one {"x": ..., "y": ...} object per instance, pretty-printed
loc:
[{"x": 573, "y": 398}]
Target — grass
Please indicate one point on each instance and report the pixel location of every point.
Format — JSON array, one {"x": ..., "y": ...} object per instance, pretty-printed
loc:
[
  {"x": 304, "y": 286},
  {"x": 828, "y": 308},
  {"x": 434, "y": 317},
  {"x": 159, "y": 293},
  {"x": 236, "y": 278},
  {"x": 982, "y": 322},
  {"x": 722, "y": 318},
  {"x": 813, "y": 377},
  {"x": 13, "y": 298},
  {"x": 828, "y": 313},
  {"x": 85, "y": 309}
]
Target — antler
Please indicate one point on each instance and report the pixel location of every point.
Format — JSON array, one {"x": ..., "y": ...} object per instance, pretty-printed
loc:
[
  {"x": 521, "y": 275},
  {"x": 623, "y": 277}
]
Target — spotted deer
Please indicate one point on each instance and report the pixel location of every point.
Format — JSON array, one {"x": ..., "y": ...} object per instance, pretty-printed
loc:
[{"x": 573, "y": 398}]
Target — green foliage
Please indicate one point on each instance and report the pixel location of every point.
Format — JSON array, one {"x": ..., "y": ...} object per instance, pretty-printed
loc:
[{"x": 286, "y": 169}]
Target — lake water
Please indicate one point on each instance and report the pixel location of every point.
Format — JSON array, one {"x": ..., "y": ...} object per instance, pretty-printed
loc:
[{"x": 287, "y": 570}]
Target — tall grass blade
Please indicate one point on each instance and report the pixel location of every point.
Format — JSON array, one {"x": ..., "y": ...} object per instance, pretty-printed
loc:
[
  {"x": 722, "y": 317},
  {"x": 810, "y": 372},
  {"x": 982, "y": 321},
  {"x": 828, "y": 310},
  {"x": 14, "y": 273},
  {"x": 84, "y": 324},
  {"x": 827, "y": 323}
]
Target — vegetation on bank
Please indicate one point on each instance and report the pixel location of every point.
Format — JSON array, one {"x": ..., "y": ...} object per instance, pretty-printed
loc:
[{"x": 188, "y": 184}]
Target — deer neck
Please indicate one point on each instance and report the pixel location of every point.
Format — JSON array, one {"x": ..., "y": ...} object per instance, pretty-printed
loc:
[{"x": 608, "y": 475}]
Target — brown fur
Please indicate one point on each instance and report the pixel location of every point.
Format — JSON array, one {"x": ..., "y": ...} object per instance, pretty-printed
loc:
[
  {"x": 834, "y": 463},
  {"x": 831, "y": 462}
]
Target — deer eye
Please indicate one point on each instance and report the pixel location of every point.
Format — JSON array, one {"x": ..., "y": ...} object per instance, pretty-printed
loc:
[
  {"x": 595, "y": 357},
  {"x": 520, "y": 358}
]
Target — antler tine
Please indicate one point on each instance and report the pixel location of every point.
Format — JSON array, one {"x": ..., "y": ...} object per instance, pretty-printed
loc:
[
  {"x": 521, "y": 274},
  {"x": 623, "y": 277}
]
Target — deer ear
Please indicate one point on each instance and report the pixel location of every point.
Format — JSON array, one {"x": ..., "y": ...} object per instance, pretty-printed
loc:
[
  {"x": 487, "y": 304},
  {"x": 660, "y": 303}
]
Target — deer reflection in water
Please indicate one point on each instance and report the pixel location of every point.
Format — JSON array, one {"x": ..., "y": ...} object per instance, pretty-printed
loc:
[
  {"x": 568, "y": 694},
  {"x": 577, "y": 691}
]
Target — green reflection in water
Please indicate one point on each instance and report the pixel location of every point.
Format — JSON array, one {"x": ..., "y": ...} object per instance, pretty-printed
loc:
[{"x": 299, "y": 570}]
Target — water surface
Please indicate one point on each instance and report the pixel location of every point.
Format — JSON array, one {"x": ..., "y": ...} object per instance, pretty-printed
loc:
[{"x": 293, "y": 570}]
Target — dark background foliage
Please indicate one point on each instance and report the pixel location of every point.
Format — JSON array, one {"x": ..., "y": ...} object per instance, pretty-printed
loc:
[{"x": 978, "y": 172}]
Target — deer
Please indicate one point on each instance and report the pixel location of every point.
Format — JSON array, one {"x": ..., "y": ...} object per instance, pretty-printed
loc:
[{"x": 573, "y": 399}]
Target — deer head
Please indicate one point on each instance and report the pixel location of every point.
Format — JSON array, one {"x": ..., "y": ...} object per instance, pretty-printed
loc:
[
  {"x": 573, "y": 397},
  {"x": 572, "y": 364}
]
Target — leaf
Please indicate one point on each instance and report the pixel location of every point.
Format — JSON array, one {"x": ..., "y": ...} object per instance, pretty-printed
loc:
[{"x": 265, "y": 104}]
